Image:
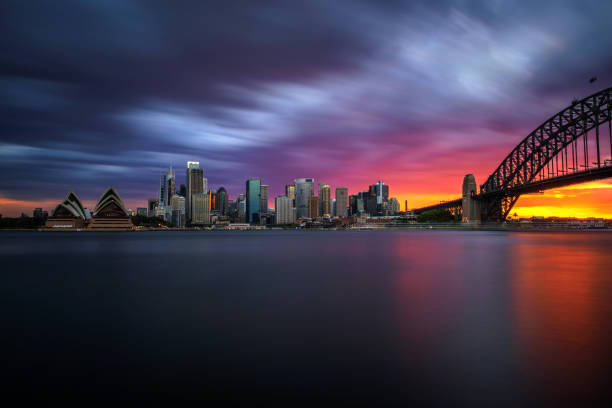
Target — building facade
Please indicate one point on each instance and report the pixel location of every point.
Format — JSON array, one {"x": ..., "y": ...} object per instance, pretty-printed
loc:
[
  {"x": 152, "y": 204},
  {"x": 341, "y": 201},
  {"x": 263, "y": 200},
  {"x": 253, "y": 201},
  {"x": 290, "y": 192},
  {"x": 194, "y": 186},
  {"x": 324, "y": 200},
  {"x": 394, "y": 206},
  {"x": 222, "y": 201},
  {"x": 313, "y": 207},
  {"x": 304, "y": 189},
  {"x": 177, "y": 203},
  {"x": 284, "y": 210},
  {"x": 201, "y": 208},
  {"x": 110, "y": 213},
  {"x": 379, "y": 194}
]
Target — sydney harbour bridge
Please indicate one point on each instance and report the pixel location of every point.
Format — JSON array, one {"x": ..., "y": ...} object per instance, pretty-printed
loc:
[{"x": 566, "y": 149}]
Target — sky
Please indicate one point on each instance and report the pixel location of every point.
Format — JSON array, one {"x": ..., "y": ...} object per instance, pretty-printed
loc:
[{"x": 417, "y": 94}]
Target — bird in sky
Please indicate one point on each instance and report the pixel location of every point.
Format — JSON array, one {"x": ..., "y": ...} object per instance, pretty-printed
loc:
[{"x": 593, "y": 79}]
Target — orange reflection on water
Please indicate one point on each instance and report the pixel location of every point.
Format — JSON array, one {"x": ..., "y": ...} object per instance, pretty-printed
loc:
[{"x": 561, "y": 285}]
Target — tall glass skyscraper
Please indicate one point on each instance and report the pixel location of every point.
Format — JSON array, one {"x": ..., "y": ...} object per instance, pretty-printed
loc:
[
  {"x": 290, "y": 192},
  {"x": 167, "y": 188},
  {"x": 263, "y": 199},
  {"x": 222, "y": 201},
  {"x": 194, "y": 186},
  {"x": 324, "y": 200},
  {"x": 253, "y": 203},
  {"x": 304, "y": 189}
]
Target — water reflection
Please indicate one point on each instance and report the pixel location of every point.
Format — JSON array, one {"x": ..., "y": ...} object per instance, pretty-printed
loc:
[
  {"x": 562, "y": 285},
  {"x": 428, "y": 317}
]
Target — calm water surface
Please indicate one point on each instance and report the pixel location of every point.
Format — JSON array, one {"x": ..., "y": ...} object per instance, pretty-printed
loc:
[{"x": 436, "y": 318}]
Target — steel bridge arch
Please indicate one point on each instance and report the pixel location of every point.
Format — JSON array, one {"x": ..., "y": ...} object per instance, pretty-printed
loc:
[{"x": 537, "y": 151}]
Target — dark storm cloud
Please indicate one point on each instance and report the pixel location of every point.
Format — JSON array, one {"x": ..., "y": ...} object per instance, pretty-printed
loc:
[{"x": 111, "y": 92}]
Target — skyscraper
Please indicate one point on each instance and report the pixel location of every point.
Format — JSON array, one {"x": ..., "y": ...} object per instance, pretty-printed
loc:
[
  {"x": 222, "y": 201},
  {"x": 171, "y": 185},
  {"x": 341, "y": 201},
  {"x": 313, "y": 206},
  {"x": 379, "y": 194},
  {"x": 290, "y": 192},
  {"x": 394, "y": 206},
  {"x": 204, "y": 184},
  {"x": 284, "y": 210},
  {"x": 152, "y": 205},
  {"x": 177, "y": 203},
  {"x": 163, "y": 190},
  {"x": 263, "y": 199},
  {"x": 324, "y": 200},
  {"x": 200, "y": 208},
  {"x": 167, "y": 187},
  {"x": 213, "y": 200},
  {"x": 253, "y": 205},
  {"x": 381, "y": 191},
  {"x": 304, "y": 189},
  {"x": 241, "y": 206},
  {"x": 194, "y": 186}
]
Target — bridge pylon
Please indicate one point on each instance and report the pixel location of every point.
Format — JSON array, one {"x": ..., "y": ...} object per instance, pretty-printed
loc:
[{"x": 470, "y": 205}]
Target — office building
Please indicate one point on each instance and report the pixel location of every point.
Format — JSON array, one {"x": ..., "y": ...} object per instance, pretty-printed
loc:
[
  {"x": 222, "y": 201},
  {"x": 341, "y": 201},
  {"x": 178, "y": 218},
  {"x": 178, "y": 203},
  {"x": 394, "y": 206},
  {"x": 263, "y": 199},
  {"x": 313, "y": 207},
  {"x": 152, "y": 204},
  {"x": 304, "y": 189},
  {"x": 290, "y": 192},
  {"x": 167, "y": 187},
  {"x": 379, "y": 194},
  {"x": 142, "y": 211},
  {"x": 204, "y": 184},
  {"x": 324, "y": 200},
  {"x": 200, "y": 208},
  {"x": 241, "y": 207},
  {"x": 162, "y": 194},
  {"x": 253, "y": 201},
  {"x": 213, "y": 200},
  {"x": 284, "y": 210},
  {"x": 356, "y": 203},
  {"x": 160, "y": 212},
  {"x": 195, "y": 176}
]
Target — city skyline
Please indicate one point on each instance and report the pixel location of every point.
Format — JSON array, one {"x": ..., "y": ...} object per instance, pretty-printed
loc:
[{"x": 417, "y": 94}]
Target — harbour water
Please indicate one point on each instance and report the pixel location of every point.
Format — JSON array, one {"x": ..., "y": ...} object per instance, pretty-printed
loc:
[{"x": 374, "y": 317}]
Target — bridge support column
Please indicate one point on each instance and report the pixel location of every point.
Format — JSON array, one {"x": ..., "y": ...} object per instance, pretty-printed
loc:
[{"x": 470, "y": 206}]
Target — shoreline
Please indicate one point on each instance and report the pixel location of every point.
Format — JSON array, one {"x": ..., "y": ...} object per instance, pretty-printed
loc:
[{"x": 424, "y": 227}]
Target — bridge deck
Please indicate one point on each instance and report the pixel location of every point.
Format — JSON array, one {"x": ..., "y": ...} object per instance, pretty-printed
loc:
[{"x": 590, "y": 174}]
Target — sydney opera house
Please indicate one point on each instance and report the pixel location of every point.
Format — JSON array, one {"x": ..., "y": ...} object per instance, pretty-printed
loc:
[{"x": 109, "y": 214}]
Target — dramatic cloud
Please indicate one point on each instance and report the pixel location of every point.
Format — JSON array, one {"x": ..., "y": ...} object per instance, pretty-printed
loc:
[{"x": 414, "y": 93}]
